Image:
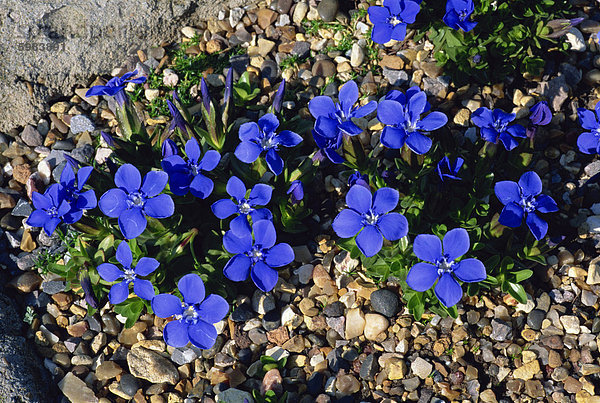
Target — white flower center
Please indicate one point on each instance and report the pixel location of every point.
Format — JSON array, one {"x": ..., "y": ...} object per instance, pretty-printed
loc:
[
  {"x": 129, "y": 275},
  {"x": 244, "y": 207}
]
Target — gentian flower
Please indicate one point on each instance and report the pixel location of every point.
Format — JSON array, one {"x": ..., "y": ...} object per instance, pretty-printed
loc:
[
  {"x": 120, "y": 291},
  {"x": 446, "y": 169},
  {"x": 540, "y": 116},
  {"x": 278, "y": 99},
  {"x": 458, "y": 13},
  {"x": 78, "y": 199},
  {"x": 205, "y": 95},
  {"x": 371, "y": 216},
  {"x": 74, "y": 163},
  {"x": 523, "y": 199},
  {"x": 589, "y": 142},
  {"x": 228, "y": 86},
  {"x": 561, "y": 26},
  {"x": 260, "y": 195},
  {"x": 333, "y": 120},
  {"x": 194, "y": 317},
  {"x": 169, "y": 148},
  {"x": 178, "y": 120},
  {"x": 402, "y": 116},
  {"x": 494, "y": 126},
  {"x": 50, "y": 209},
  {"x": 260, "y": 137},
  {"x": 188, "y": 176},
  {"x": 115, "y": 87},
  {"x": 296, "y": 191},
  {"x": 441, "y": 265},
  {"x": 359, "y": 179},
  {"x": 390, "y": 21},
  {"x": 88, "y": 291},
  {"x": 133, "y": 200},
  {"x": 256, "y": 258},
  {"x": 108, "y": 139}
]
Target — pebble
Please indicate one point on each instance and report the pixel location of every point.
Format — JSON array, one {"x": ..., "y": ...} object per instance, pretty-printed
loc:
[
  {"x": 593, "y": 275},
  {"x": 375, "y": 324},
  {"x": 81, "y": 123},
  {"x": 327, "y": 10},
  {"x": 355, "y": 323},
  {"x": 385, "y": 302},
  {"x": 347, "y": 384},
  {"x": 535, "y": 318},
  {"x": 369, "y": 368},
  {"x": 527, "y": 371},
  {"x": 421, "y": 368},
  {"x": 575, "y": 39},
  {"x": 272, "y": 381},
  {"x": 76, "y": 390},
  {"x": 357, "y": 55},
  {"x": 31, "y": 136},
  {"x": 500, "y": 330},
  {"x": 151, "y": 366},
  {"x": 570, "y": 323},
  {"x": 262, "y": 303}
]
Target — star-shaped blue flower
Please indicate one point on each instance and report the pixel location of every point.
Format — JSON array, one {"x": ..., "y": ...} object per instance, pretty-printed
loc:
[
  {"x": 133, "y": 200},
  {"x": 494, "y": 126},
  {"x": 522, "y": 200},
  {"x": 120, "y": 291},
  {"x": 258, "y": 137},
  {"x": 72, "y": 190},
  {"x": 115, "y": 87},
  {"x": 441, "y": 265},
  {"x": 458, "y": 14},
  {"x": 50, "y": 209},
  {"x": 390, "y": 21},
  {"x": 589, "y": 142},
  {"x": 446, "y": 169}
]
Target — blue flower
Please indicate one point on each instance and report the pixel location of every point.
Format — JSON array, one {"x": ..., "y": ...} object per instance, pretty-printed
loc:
[
  {"x": 333, "y": 120},
  {"x": 541, "y": 114},
  {"x": 133, "y": 200},
  {"x": 168, "y": 148},
  {"x": 589, "y": 142},
  {"x": 257, "y": 258},
  {"x": 458, "y": 13},
  {"x": 120, "y": 291},
  {"x": 88, "y": 291},
  {"x": 108, "y": 139},
  {"x": 278, "y": 99},
  {"x": 402, "y": 116},
  {"x": 494, "y": 126},
  {"x": 390, "y": 21},
  {"x": 359, "y": 179},
  {"x": 442, "y": 266},
  {"x": 50, "y": 209},
  {"x": 296, "y": 191},
  {"x": 523, "y": 199},
  {"x": 178, "y": 120},
  {"x": 228, "y": 86},
  {"x": 194, "y": 317},
  {"x": 260, "y": 195},
  {"x": 371, "y": 216},
  {"x": 115, "y": 86},
  {"x": 205, "y": 95},
  {"x": 260, "y": 137},
  {"x": 445, "y": 169},
  {"x": 78, "y": 199},
  {"x": 188, "y": 176}
]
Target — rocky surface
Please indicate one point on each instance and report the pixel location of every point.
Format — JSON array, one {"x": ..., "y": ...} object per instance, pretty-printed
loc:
[{"x": 50, "y": 46}]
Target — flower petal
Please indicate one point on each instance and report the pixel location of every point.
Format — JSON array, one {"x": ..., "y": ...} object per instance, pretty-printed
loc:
[
  {"x": 507, "y": 192},
  {"x": 517, "y": 131},
  {"x": 247, "y": 151},
  {"x": 38, "y": 218},
  {"x": 369, "y": 241},
  {"x": 237, "y": 268},
  {"x": 427, "y": 247},
  {"x": 588, "y": 143},
  {"x": 448, "y": 291},
  {"x": 530, "y": 183},
  {"x": 192, "y": 150},
  {"x": 348, "y": 96},
  {"x": 109, "y": 272},
  {"x": 422, "y": 276},
  {"x": 191, "y": 287},
  {"x": 86, "y": 200},
  {"x": 145, "y": 266},
  {"x": 470, "y": 271},
  {"x": 161, "y": 206},
  {"x": 364, "y": 110},
  {"x": 538, "y": 227},
  {"x": 382, "y": 32},
  {"x": 240, "y": 226},
  {"x": 236, "y": 188},
  {"x": 128, "y": 178},
  {"x": 224, "y": 208},
  {"x": 202, "y": 335},
  {"x": 50, "y": 225},
  {"x": 279, "y": 255},
  {"x": 249, "y": 131},
  {"x": 67, "y": 176},
  {"x": 166, "y": 305},
  {"x": 132, "y": 223},
  {"x": 393, "y": 137},
  {"x": 264, "y": 234},
  {"x": 260, "y": 195},
  {"x": 456, "y": 243},
  {"x": 419, "y": 143},
  {"x": 587, "y": 119},
  {"x": 41, "y": 201},
  {"x": 174, "y": 163},
  {"x": 347, "y": 223},
  {"x": 378, "y": 14},
  {"x": 359, "y": 199},
  {"x": 399, "y": 32},
  {"x": 433, "y": 121},
  {"x": 237, "y": 242},
  {"x": 385, "y": 200},
  {"x": 124, "y": 254},
  {"x": 546, "y": 204},
  {"x": 143, "y": 289},
  {"x": 213, "y": 309},
  {"x": 390, "y": 112},
  {"x": 350, "y": 128},
  {"x": 210, "y": 161},
  {"x": 268, "y": 123},
  {"x": 113, "y": 202},
  {"x": 508, "y": 141},
  {"x": 321, "y": 106},
  {"x": 154, "y": 183},
  {"x": 393, "y": 226},
  {"x": 288, "y": 138},
  {"x": 482, "y": 117},
  {"x": 274, "y": 161},
  {"x": 265, "y": 277},
  {"x": 511, "y": 215},
  {"x": 175, "y": 333},
  {"x": 118, "y": 292}
]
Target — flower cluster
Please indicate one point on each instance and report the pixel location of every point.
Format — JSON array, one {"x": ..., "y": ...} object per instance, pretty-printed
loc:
[{"x": 589, "y": 141}]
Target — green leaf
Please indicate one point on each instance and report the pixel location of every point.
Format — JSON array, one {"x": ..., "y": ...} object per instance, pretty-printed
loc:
[
  {"x": 522, "y": 275},
  {"x": 517, "y": 291}
]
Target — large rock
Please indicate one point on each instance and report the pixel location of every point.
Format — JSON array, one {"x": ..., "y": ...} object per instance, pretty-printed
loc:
[
  {"x": 50, "y": 46},
  {"x": 22, "y": 376}
]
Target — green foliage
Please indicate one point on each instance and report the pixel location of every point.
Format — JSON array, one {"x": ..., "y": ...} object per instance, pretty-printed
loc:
[
  {"x": 245, "y": 90},
  {"x": 29, "y": 315},
  {"x": 510, "y": 38}
]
